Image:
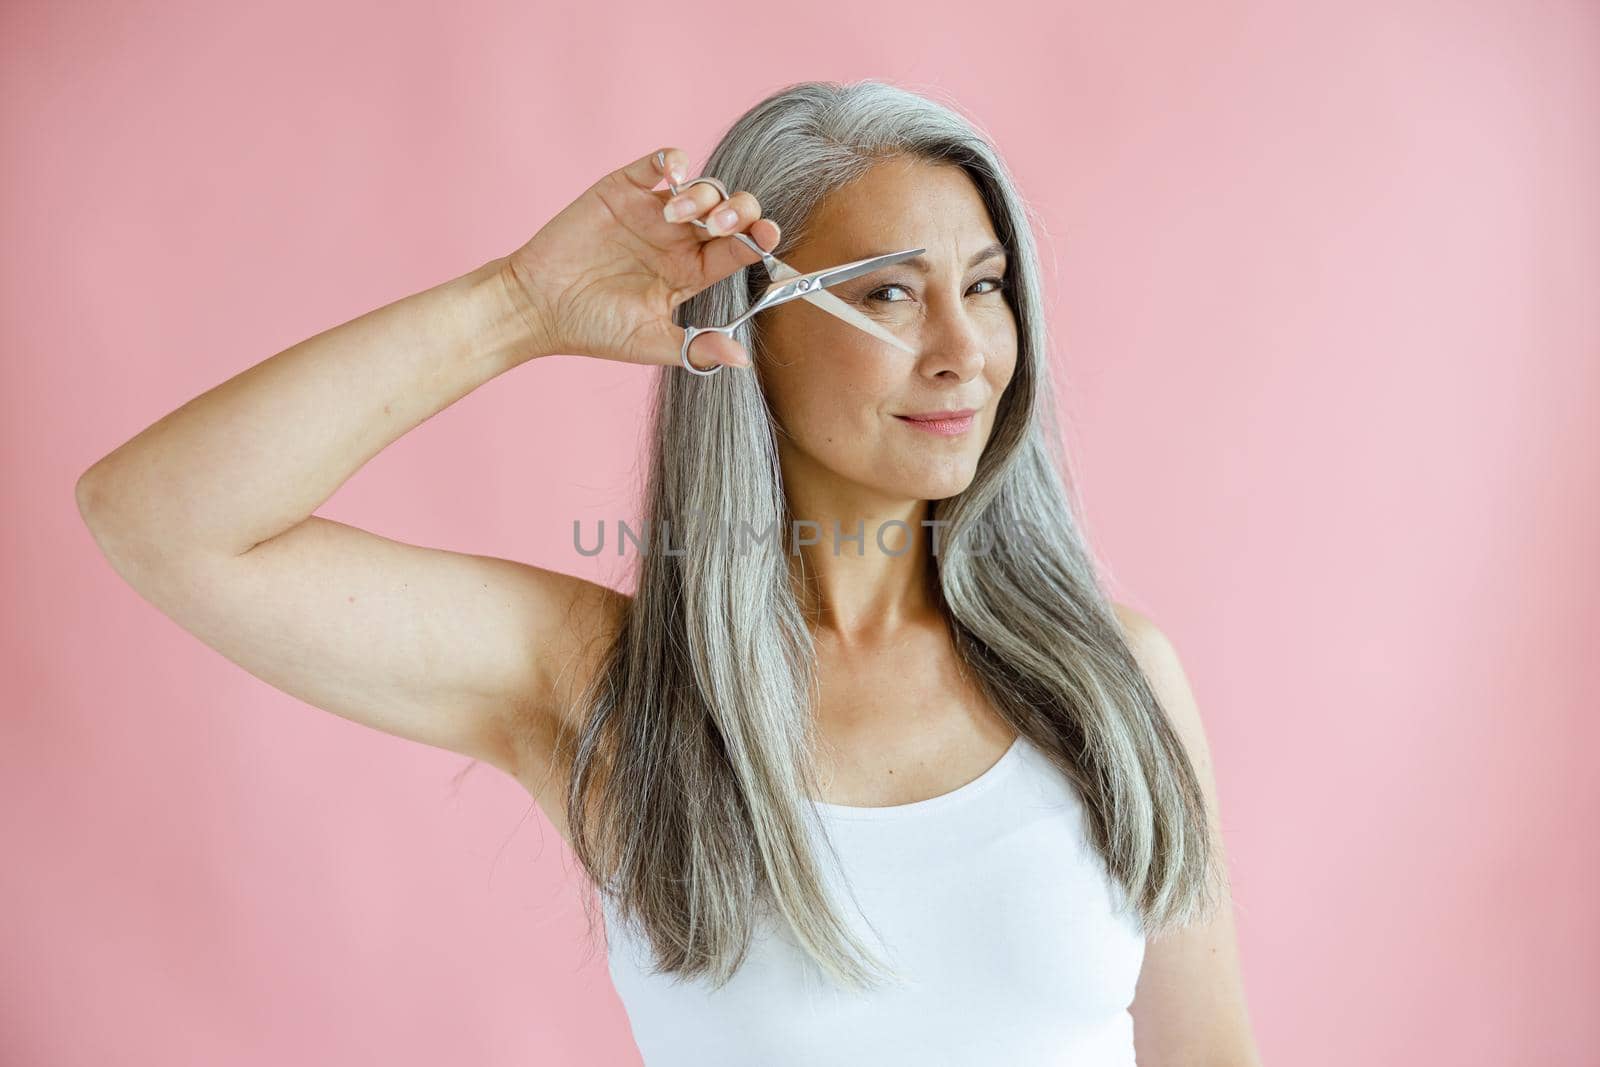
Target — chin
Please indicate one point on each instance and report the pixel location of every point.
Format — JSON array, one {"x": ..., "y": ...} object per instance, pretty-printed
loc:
[
  {"x": 937, "y": 484},
  {"x": 945, "y": 490}
]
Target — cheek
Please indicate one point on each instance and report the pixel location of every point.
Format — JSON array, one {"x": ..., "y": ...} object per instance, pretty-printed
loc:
[
  {"x": 825, "y": 402},
  {"x": 804, "y": 399},
  {"x": 826, "y": 381},
  {"x": 1002, "y": 370},
  {"x": 1004, "y": 346}
]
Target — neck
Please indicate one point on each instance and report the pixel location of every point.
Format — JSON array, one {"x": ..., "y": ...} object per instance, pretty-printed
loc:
[{"x": 863, "y": 588}]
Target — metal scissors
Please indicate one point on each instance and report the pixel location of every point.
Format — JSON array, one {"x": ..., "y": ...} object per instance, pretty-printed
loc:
[{"x": 789, "y": 284}]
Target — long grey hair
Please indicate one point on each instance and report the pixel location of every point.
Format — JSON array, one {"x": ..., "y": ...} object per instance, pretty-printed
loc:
[{"x": 690, "y": 779}]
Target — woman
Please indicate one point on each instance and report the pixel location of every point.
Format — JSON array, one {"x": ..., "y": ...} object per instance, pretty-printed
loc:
[{"x": 905, "y": 788}]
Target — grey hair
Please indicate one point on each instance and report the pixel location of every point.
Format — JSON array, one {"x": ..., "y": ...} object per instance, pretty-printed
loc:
[{"x": 688, "y": 798}]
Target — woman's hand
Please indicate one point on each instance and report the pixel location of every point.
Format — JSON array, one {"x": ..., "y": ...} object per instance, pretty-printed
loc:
[{"x": 602, "y": 278}]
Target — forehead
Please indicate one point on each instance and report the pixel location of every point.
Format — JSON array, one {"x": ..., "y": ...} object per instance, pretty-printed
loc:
[{"x": 899, "y": 203}]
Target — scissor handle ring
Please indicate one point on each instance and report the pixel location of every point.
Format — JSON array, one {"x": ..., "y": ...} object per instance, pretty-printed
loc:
[
  {"x": 689, "y": 334},
  {"x": 719, "y": 187},
  {"x": 723, "y": 189}
]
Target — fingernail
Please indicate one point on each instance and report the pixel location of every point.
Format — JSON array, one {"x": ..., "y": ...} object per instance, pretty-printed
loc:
[
  {"x": 675, "y": 173},
  {"x": 725, "y": 218},
  {"x": 677, "y": 209}
]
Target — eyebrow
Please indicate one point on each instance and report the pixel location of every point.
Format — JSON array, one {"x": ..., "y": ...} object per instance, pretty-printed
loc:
[{"x": 920, "y": 263}]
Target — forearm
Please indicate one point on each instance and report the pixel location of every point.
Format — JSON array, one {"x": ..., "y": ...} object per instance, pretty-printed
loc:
[{"x": 259, "y": 453}]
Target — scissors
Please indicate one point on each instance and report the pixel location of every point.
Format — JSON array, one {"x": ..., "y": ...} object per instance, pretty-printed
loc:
[{"x": 789, "y": 284}]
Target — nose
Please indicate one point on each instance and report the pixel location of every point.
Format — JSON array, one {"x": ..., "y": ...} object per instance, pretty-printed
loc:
[{"x": 954, "y": 348}]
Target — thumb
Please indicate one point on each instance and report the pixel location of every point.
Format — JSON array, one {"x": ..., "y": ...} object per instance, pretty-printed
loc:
[{"x": 710, "y": 349}]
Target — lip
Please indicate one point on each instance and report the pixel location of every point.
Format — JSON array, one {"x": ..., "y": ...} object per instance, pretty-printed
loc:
[
  {"x": 947, "y": 423},
  {"x": 948, "y": 413}
]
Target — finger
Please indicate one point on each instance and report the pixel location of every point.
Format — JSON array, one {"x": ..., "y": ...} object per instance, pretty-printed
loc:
[
  {"x": 692, "y": 203},
  {"x": 646, "y": 172},
  {"x": 709, "y": 349},
  {"x": 663, "y": 344},
  {"x": 733, "y": 214},
  {"x": 721, "y": 256}
]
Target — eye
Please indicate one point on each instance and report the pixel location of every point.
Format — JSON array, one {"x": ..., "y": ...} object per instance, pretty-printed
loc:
[{"x": 999, "y": 283}]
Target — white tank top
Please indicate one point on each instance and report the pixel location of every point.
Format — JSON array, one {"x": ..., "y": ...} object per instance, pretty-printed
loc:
[{"x": 1015, "y": 943}]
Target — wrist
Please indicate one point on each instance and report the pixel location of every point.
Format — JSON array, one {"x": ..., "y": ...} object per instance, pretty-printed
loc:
[{"x": 511, "y": 325}]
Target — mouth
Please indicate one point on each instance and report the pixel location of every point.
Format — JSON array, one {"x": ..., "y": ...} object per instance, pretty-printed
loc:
[{"x": 944, "y": 423}]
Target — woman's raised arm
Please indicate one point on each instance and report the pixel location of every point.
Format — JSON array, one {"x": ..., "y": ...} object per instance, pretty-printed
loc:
[{"x": 208, "y": 512}]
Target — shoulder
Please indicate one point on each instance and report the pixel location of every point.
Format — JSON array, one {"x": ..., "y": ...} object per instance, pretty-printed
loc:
[
  {"x": 1150, "y": 646},
  {"x": 1158, "y": 659}
]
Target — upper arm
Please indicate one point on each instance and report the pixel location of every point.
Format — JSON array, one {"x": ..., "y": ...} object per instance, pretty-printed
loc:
[
  {"x": 1189, "y": 1006},
  {"x": 469, "y": 653}
]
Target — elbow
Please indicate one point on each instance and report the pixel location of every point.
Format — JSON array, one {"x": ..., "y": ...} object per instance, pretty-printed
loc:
[
  {"x": 97, "y": 496},
  {"x": 118, "y": 538},
  {"x": 93, "y": 503},
  {"x": 128, "y": 526},
  {"x": 89, "y": 495}
]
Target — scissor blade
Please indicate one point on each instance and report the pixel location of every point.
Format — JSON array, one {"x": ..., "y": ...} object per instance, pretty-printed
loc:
[
  {"x": 843, "y": 273},
  {"x": 800, "y": 284},
  {"x": 838, "y": 308}
]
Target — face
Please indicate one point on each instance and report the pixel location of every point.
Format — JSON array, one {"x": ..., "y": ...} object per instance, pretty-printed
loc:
[{"x": 843, "y": 397}]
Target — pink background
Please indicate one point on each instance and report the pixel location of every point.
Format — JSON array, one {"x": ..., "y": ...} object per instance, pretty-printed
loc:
[{"x": 1323, "y": 277}]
